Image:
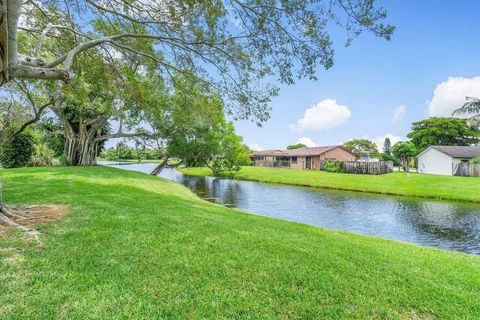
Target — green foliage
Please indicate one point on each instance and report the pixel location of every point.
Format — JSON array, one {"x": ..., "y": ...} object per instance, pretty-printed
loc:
[
  {"x": 109, "y": 154},
  {"x": 231, "y": 45},
  {"x": 472, "y": 108},
  {"x": 475, "y": 160},
  {"x": 387, "y": 145},
  {"x": 389, "y": 157},
  {"x": 362, "y": 147},
  {"x": 296, "y": 146},
  {"x": 405, "y": 151},
  {"x": 333, "y": 166},
  {"x": 56, "y": 142},
  {"x": 127, "y": 153},
  {"x": 18, "y": 152},
  {"x": 42, "y": 157},
  {"x": 232, "y": 153},
  {"x": 443, "y": 131},
  {"x": 130, "y": 153}
]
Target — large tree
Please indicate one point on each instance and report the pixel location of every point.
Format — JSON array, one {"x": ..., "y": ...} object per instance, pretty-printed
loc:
[
  {"x": 190, "y": 125},
  {"x": 229, "y": 45},
  {"x": 387, "y": 145},
  {"x": 443, "y": 131},
  {"x": 107, "y": 91},
  {"x": 362, "y": 147},
  {"x": 405, "y": 151}
]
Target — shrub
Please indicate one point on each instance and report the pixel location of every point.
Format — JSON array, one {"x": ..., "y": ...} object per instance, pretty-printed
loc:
[
  {"x": 111, "y": 155},
  {"x": 475, "y": 160},
  {"x": 64, "y": 161},
  {"x": 389, "y": 157},
  {"x": 18, "y": 152},
  {"x": 333, "y": 166},
  {"x": 42, "y": 157}
]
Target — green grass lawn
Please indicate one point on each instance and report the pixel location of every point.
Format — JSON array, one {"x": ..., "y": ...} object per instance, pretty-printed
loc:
[
  {"x": 137, "y": 247},
  {"x": 397, "y": 183}
]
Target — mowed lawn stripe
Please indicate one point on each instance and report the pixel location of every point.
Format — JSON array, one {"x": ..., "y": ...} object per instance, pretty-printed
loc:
[{"x": 136, "y": 246}]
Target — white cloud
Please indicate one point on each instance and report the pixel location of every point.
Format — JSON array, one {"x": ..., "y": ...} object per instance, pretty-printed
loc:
[
  {"x": 307, "y": 141},
  {"x": 398, "y": 113},
  {"x": 324, "y": 115},
  {"x": 255, "y": 147},
  {"x": 450, "y": 95},
  {"x": 393, "y": 139}
]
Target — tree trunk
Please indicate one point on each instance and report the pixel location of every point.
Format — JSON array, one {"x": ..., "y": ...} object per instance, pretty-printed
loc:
[
  {"x": 81, "y": 137},
  {"x": 81, "y": 150},
  {"x": 160, "y": 167}
]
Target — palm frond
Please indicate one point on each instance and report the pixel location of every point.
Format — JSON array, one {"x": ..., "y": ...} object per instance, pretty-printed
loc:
[
  {"x": 474, "y": 121},
  {"x": 472, "y": 106}
]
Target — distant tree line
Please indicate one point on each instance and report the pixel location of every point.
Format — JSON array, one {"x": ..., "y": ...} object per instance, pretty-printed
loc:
[{"x": 447, "y": 131}]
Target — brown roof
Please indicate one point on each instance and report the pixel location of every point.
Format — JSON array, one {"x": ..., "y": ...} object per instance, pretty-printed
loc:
[
  {"x": 459, "y": 151},
  {"x": 300, "y": 152},
  {"x": 275, "y": 152}
]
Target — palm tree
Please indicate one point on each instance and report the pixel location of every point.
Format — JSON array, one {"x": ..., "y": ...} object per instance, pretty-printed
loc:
[{"x": 472, "y": 106}]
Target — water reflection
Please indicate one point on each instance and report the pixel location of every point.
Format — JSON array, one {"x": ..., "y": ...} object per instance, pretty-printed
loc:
[{"x": 441, "y": 224}]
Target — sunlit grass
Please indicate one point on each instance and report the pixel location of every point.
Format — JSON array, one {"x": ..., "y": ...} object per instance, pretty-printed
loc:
[{"x": 139, "y": 247}]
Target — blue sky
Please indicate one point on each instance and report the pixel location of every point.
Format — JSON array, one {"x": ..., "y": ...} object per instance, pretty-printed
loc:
[{"x": 427, "y": 68}]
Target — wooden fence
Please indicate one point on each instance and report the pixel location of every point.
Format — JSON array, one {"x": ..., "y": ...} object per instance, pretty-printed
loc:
[
  {"x": 467, "y": 169},
  {"x": 366, "y": 167}
]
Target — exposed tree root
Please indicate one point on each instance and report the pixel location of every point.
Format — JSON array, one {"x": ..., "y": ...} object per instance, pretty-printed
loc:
[{"x": 4, "y": 217}]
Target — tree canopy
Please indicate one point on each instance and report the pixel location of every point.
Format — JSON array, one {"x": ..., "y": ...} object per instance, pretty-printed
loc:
[
  {"x": 443, "y": 131},
  {"x": 387, "y": 145},
  {"x": 362, "y": 147},
  {"x": 296, "y": 146},
  {"x": 405, "y": 151},
  {"x": 228, "y": 45}
]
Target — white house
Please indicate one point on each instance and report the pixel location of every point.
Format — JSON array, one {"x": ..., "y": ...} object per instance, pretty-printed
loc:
[{"x": 444, "y": 159}]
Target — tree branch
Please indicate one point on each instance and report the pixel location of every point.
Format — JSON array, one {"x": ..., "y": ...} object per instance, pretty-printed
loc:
[
  {"x": 37, "y": 117},
  {"x": 124, "y": 135}
]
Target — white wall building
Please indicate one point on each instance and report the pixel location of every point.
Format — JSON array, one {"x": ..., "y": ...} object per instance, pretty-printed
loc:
[{"x": 444, "y": 159}]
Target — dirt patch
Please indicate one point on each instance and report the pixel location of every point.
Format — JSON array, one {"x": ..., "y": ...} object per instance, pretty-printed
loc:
[{"x": 32, "y": 215}]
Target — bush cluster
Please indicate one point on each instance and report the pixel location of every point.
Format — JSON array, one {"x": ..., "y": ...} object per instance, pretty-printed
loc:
[
  {"x": 475, "y": 160},
  {"x": 128, "y": 153},
  {"x": 18, "y": 152},
  {"x": 333, "y": 166},
  {"x": 26, "y": 149}
]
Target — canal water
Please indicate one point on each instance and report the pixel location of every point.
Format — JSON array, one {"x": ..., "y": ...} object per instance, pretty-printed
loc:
[{"x": 441, "y": 224}]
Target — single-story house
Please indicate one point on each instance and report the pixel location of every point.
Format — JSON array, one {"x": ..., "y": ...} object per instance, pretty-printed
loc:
[
  {"x": 301, "y": 158},
  {"x": 445, "y": 159}
]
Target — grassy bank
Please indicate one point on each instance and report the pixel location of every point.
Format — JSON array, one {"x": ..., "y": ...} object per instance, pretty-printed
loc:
[
  {"x": 135, "y": 246},
  {"x": 397, "y": 183}
]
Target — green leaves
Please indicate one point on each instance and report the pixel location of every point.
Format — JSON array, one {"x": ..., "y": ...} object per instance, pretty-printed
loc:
[
  {"x": 18, "y": 152},
  {"x": 443, "y": 131},
  {"x": 362, "y": 147}
]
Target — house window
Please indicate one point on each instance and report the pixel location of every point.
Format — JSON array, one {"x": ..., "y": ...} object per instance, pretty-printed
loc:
[{"x": 293, "y": 159}]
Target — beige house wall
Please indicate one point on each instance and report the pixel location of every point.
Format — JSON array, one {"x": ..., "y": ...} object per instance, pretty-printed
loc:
[
  {"x": 300, "y": 163},
  {"x": 338, "y": 154}
]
